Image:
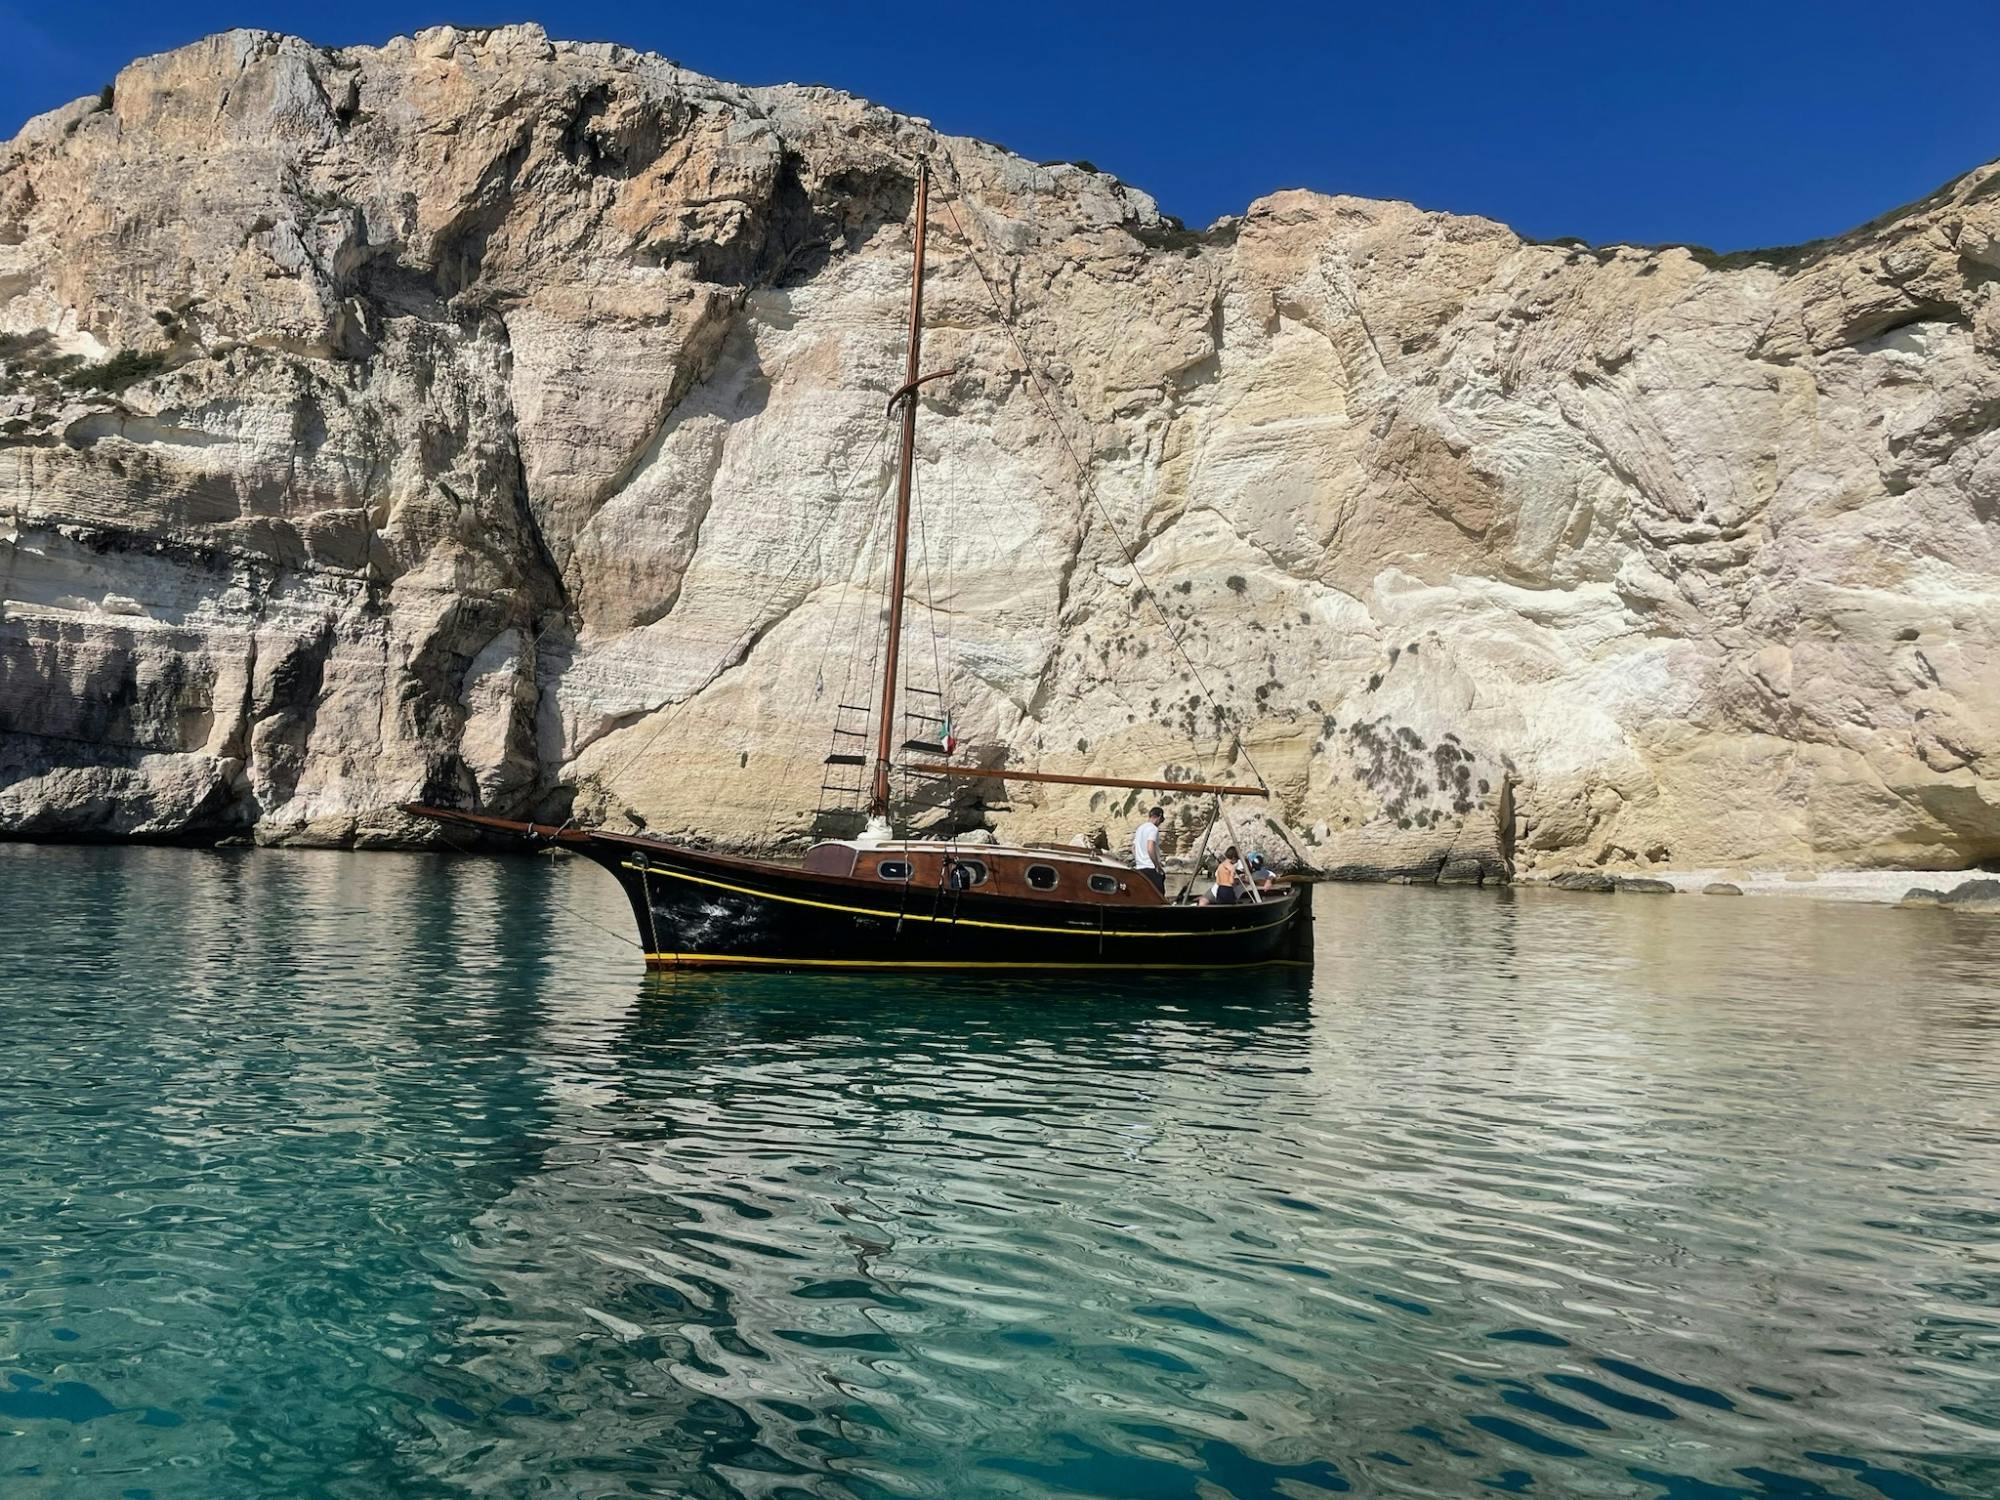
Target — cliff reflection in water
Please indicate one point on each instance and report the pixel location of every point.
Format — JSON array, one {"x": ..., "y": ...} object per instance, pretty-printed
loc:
[{"x": 349, "y": 1175}]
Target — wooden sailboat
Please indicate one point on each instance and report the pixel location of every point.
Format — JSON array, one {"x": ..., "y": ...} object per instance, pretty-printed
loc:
[{"x": 880, "y": 902}]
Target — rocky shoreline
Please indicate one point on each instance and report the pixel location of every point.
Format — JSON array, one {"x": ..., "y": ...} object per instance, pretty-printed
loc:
[
  {"x": 1961, "y": 891},
  {"x": 494, "y": 420}
]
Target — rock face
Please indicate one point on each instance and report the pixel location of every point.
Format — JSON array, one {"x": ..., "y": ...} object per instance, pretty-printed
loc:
[{"x": 488, "y": 419}]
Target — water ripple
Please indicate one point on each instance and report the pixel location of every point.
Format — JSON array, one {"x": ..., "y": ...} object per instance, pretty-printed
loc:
[{"x": 345, "y": 1176}]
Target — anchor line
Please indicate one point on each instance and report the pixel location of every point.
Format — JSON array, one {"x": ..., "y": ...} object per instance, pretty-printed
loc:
[{"x": 560, "y": 905}]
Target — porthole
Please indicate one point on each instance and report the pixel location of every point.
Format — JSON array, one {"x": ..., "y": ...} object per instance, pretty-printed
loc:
[
  {"x": 964, "y": 874},
  {"x": 1042, "y": 877},
  {"x": 1105, "y": 883},
  {"x": 893, "y": 869}
]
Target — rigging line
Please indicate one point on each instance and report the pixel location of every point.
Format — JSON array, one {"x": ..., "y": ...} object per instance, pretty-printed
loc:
[
  {"x": 879, "y": 712},
  {"x": 769, "y": 808},
  {"x": 1083, "y": 474},
  {"x": 1236, "y": 839},
  {"x": 564, "y": 907},
  {"x": 1194, "y": 873},
  {"x": 834, "y": 633},
  {"x": 874, "y": 540},
  {"x": 939, "y": 656},
  {"x": 445, "y": 834},
  {"x": 930, "y": 621},
  {"x": 930, "y": 596},
  {"x": 848, "y": 586},
  {"x": 742, "y": 637},
  {"x": 1041, "y": 394},
  {"x": 878, "y": 635},
  {"x": 950, "y": 620},
  {"x": 833, "y": 627}
]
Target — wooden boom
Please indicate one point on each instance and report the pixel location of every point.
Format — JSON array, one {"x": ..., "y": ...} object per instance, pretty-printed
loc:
[{"x": 1204, "y": 788}]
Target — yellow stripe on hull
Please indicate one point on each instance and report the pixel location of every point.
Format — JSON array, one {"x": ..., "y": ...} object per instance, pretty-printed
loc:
[
  {"x": 911, "y": 916},
  {"x": 730, "y": 961}
]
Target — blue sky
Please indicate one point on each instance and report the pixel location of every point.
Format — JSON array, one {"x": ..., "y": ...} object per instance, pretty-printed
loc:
[{"x": 1727, "y": 124}]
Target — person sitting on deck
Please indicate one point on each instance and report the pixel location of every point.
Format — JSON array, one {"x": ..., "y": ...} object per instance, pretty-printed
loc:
[
  {"x": 1261, "y": 881},
  {"x": 1226, "y": 876},
  {"x": 1146, "y": 849}
]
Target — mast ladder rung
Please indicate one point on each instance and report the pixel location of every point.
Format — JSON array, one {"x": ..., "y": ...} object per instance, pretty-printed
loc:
[
  {"x": 927, "y": 692},
  {"x": 846, "y": 760},
  {"x": 926, "y": 747}
]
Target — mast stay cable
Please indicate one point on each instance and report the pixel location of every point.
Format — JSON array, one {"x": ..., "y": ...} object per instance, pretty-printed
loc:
[
  {"x": 845, "y": 693},
  {"x": 1041, "y": 394},
  {"x": 744, "y": 636}
]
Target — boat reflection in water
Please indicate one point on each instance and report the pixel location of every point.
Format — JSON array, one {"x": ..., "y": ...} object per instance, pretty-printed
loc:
[{"x": 1101, "y": 1018}]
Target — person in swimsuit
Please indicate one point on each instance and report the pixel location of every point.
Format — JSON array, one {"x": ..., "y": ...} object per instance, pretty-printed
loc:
[{"x": 1226, "y": 875}]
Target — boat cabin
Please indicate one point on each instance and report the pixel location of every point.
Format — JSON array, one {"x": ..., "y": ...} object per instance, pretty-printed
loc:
[{"x": 1033, "y": 873}]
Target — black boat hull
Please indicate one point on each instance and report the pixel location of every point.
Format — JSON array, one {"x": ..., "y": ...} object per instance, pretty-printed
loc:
[{"x": 698, "y": 910}]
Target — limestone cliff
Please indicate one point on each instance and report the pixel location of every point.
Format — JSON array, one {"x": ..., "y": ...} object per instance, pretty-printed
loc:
[{"x": 485, "y": 418}]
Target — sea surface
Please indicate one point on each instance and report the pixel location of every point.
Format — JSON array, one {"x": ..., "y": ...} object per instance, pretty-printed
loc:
[{"x": 375, "y": 1175}]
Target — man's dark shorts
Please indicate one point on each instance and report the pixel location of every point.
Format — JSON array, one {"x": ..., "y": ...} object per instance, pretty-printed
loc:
[{"x": 1159, "y": 879}]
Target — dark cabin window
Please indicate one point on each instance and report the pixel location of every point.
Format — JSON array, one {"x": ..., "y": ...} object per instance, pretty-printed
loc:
[
  {"x": 1105, "y": 883},
  {"x": 965, "y": 874},
  {"x": 1042, "y": 877},
  {"x": 893, "y": 869}
]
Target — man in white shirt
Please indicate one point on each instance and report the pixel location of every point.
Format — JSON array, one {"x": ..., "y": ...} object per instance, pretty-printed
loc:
[{"x": 1146, "y": 849}]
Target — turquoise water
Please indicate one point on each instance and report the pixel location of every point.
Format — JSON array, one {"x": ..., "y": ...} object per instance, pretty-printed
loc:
[{"x": 336, "y": 1175}]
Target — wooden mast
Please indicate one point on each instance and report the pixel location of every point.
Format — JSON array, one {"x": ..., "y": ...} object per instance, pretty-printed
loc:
[{"x": 879, "y": 806}]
